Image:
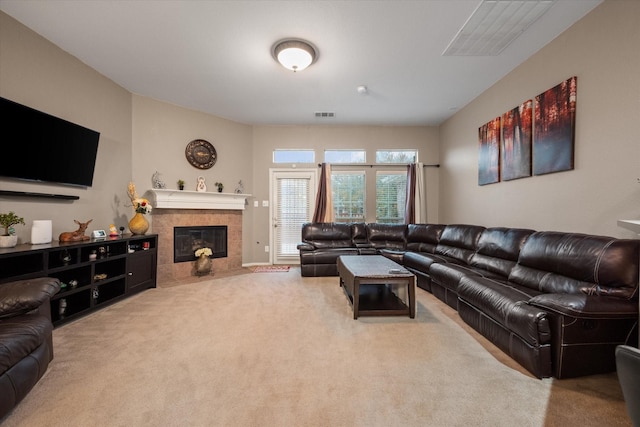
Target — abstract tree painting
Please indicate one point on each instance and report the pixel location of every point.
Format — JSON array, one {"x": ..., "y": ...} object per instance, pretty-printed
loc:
[
  {"x": 489, "y": 153},
  {"x": 554, "y": 130},
  {"x": 515, "y": 149}
]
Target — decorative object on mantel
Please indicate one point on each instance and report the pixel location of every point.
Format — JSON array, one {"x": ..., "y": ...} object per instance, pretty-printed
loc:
[
  {"x": 180, "y": 184},
  {"x": 201, "y": 154},
  {"x": 9, "y": 239},
  {"x": 141, "y": 207},
  {"x": 220, "y": 186},
  {"x": 201, "y": 186},
  {"x": 75, "y": 236},
  {"x": 157, "y": 182},
  {"x": 240, "y": 188},
  {"x": 203, "y": 262}
]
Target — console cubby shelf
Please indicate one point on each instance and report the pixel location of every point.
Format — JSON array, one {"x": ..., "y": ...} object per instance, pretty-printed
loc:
[{"x": 94, "y": 273}]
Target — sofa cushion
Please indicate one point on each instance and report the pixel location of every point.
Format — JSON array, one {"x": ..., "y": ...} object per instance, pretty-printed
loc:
[
  {"x": 507, "y": 304},
  {"x": 325, "y": 256},
  {"x": 459, "y": 241},
  {"x": 498, "y": 249},
  {"x": 449, "y": 274},
  {"x": 327, "y": 235},
  {"x": 388, "y": 236},
  {"x": 423, "y": 237},
  {"x": 22, "y": 296},
  {"x": 423, "y": 261},
  {"x": 572, "y": 263},
  {"x": 20, "y": 336}
]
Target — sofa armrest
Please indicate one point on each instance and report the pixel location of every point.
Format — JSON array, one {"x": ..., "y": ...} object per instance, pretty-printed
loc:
[
  {"x": 587, "y": 306},
  {"x": 306, "y": 247},
  {"x": 22, "y": 296}
]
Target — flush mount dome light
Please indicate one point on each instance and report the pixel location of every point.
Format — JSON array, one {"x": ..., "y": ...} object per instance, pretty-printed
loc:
[{"x": 294, "y": 55}]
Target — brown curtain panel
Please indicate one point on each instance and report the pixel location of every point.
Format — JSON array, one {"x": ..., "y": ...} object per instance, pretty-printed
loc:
[
  {"x": 324, "y": 203},
  {"x": 410, "y": 206}
]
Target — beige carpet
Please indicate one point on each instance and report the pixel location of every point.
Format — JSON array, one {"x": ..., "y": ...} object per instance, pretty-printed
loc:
[{"x": 281, "y": 350}]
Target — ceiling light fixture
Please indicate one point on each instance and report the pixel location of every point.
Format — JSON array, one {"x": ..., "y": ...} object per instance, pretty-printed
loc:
[{"x": 294, "y": 54}]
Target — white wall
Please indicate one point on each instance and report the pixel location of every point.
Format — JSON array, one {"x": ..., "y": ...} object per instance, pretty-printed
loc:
[
  {"x": 36, "y": 73},
  {"x": 603, "y": 51}
]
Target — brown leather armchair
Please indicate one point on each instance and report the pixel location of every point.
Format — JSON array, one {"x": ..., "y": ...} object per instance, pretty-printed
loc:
[{"x": 26, "y": 345}]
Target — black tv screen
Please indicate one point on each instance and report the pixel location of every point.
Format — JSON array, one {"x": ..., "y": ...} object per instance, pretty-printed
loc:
[{"x": 46, "y": 148}]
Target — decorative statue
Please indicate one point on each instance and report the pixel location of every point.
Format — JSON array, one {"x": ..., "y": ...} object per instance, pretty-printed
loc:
[
  {"x": 75, "y": 236},
  {"x": 157, "y": 182},
  {"x": 240, "y": 188},
  {"x": 202, "y": 186}
]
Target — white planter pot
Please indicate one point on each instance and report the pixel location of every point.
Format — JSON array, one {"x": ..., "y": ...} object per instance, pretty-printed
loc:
[{"x": 8, "y": 241}]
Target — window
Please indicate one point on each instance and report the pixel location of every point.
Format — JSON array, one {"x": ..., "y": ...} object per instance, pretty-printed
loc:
[
  {"x": 348, "y": 192},
  {"x": 294, "y": 156},
  {"x": 345, "y": 156},
  {"x": 396, "y": 156},
  {"x": 391, "y": 194}
]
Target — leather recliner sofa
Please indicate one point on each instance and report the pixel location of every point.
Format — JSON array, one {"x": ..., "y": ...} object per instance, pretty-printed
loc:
[
  {"x": 557, "y": 303},
  {"x": 26, "y": 343}
]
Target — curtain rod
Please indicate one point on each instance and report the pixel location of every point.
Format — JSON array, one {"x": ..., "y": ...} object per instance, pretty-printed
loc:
[{"x": 377, "y": 165}]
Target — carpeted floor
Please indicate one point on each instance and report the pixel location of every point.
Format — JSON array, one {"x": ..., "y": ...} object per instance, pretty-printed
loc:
[{"x": 282, "y": 350}]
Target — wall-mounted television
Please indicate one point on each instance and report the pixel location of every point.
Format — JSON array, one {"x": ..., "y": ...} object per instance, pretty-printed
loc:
[{"x": 44, "y": 147}]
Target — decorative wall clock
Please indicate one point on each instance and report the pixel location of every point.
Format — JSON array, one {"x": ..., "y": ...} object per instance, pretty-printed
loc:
[{"x": 201, "y": 154}]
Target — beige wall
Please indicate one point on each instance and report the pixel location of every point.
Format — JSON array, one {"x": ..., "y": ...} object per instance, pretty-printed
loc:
[
  {"x": 603, "y": 51},
  {"x": 161, "y": 132},
  {"x": 319, "y": 138},
  {"x": 36, "y": 73}
]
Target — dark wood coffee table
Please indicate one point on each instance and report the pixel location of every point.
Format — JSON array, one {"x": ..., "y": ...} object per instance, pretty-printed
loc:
[{"x": 369, "y": 281}]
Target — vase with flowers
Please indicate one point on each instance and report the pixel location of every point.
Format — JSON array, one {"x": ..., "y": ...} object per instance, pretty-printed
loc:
[
  {"x": 141, "y": 207},
  {"x": 203, "y": 262}
]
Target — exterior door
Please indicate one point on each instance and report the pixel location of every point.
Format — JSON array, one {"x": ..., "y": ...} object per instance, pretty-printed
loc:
[{"x": 292, "y": 203}]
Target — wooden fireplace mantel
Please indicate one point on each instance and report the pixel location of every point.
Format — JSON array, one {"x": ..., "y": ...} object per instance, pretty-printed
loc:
[{"x": 182, "y": 199}]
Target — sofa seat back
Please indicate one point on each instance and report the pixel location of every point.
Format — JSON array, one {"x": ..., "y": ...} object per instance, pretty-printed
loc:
[
  {"x": 459, "y": 242},
  {"x": 327, "y": 235},
  {"x": 499, "y": 248},
  {"x": 573, "y": 263},
  {"x": 423, "y": 237},
  {"x": 387, "y": 236}
]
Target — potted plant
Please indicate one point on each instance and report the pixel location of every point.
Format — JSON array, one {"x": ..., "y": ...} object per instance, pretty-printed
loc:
[
  {"x": 220, "y": 186},
  {"x": 8, "y": 239},
  {"x": 181, "y": 184}
]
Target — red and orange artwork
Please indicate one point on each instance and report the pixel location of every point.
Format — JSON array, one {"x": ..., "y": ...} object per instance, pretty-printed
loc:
[
  {"x": 554, "y": 128},
  {"x": 515, "y": 148},
  {"x": 489, "y": 153}
]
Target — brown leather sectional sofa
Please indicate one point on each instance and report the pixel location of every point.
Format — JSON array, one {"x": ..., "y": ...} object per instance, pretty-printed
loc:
[
  {"x": 26, "y": 345},
  {"x": 557, "y": 303}
]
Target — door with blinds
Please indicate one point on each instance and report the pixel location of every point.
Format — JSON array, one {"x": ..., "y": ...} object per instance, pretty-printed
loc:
[{"x": 292, "y": 204}]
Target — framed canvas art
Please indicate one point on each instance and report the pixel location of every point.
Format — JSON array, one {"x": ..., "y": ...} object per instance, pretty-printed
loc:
[
  {"x": 515, "y": 147},
  {"x": 554, "y": 128},
  {"x": 489, "y": 152}
]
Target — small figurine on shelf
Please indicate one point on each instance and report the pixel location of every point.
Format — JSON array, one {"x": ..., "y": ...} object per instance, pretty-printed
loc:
[
  {"x": 220, "y": 186},
  {"x": 75, "y": 236},
  {"x": 157, "y": 182},
  {"x": 113, "y": 231},
  {"x": 202, "y": 186},
  {"x": 240, "y": 188},
  {"x": 181, "y": 184}
]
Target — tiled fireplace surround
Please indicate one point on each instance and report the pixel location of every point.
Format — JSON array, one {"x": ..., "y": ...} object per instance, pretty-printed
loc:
[
  {"x": 165, "y": 219},
  {"x": 173, "y": 208}
]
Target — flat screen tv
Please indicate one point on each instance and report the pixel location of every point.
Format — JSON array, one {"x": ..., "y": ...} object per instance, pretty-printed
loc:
[{"x": 46, "y": 148}]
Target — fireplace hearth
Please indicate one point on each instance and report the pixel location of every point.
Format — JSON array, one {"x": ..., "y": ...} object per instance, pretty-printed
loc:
[{"x": 188, "y": 239}]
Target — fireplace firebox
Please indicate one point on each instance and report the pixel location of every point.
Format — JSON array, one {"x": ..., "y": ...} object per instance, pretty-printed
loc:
[{"x": 186, "y": 240}]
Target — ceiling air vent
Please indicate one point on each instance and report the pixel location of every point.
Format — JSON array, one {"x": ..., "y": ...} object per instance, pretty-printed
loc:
[
  {"x": 325, "y": 114},
  {"x": 494, "y": 25}
]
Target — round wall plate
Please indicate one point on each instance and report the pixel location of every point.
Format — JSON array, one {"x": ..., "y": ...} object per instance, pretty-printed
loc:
[{"x": 201, "y": 154}]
